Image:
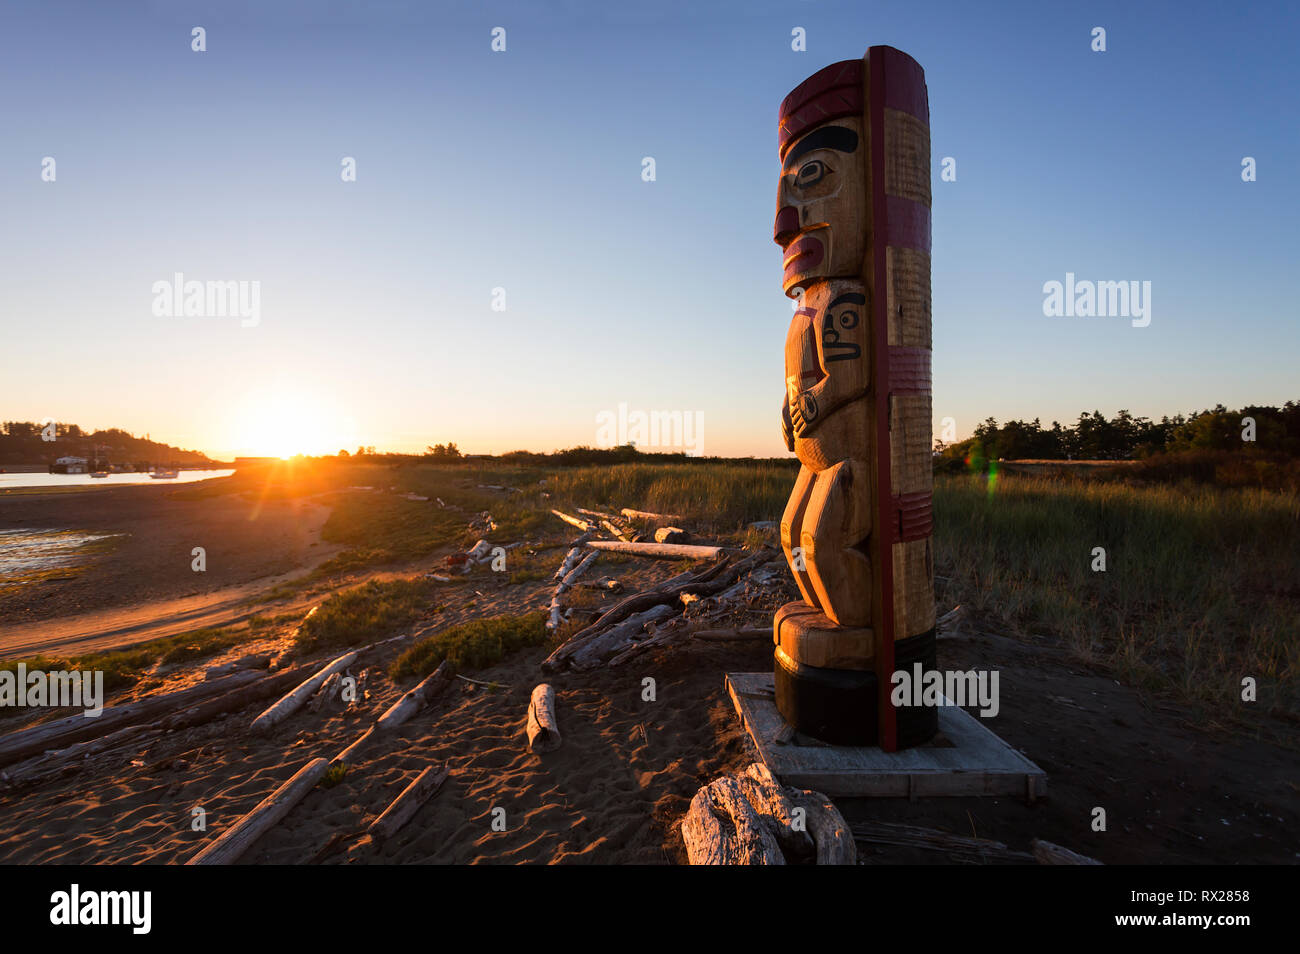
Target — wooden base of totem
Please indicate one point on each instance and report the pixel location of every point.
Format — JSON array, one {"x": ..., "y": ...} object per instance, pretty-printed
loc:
[
  {"x": 964, "y": 758},
  {"x": 826, "y": 685},
  {"x": 809, "y": 637}
]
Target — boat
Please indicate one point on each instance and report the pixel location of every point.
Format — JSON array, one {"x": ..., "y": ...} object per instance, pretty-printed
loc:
[
  {"x": 99, "y": 473},
  {"x": 163, "y": 473}
]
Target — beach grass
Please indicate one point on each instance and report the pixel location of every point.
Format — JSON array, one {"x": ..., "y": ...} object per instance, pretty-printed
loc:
[
  {"x": 364, "y": 614},
  {"x": 1201, "y": 586},
  {"x": 472, "y": 645}
]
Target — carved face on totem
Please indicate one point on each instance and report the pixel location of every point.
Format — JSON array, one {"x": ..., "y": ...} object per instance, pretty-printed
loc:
[{"x": 822, "y": 208}]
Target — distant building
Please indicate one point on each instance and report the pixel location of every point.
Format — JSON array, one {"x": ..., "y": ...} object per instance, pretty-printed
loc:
[{"x": 70, "y": 465}]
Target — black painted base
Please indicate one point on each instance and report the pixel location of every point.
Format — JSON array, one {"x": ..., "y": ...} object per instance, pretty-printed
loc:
[{"x": 839, "y": 705}]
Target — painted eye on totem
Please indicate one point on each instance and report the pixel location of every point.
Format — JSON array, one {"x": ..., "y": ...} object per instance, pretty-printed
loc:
[{"x": 810, "y": 173}]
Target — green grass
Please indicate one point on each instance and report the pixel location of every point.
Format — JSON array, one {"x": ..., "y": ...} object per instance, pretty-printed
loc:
[
  {"x": 1201, "y": 587},
  {"x": 472, "y": 645},
  {"x": 364, "y": 614},
  {"x": 727, "y": 495},
  {"x": 334, "y": 775}
]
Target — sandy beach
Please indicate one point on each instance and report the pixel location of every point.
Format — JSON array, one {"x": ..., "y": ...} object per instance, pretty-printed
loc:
[{"x": 616, "y": 790}]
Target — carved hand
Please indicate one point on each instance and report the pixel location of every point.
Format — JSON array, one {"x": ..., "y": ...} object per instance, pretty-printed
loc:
[
  {"x": 803, "y": 416},
  {"x": 787, "y": 426}
]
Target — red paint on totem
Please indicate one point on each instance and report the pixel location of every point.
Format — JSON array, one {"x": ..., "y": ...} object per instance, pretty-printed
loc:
[
  {"x": 909, "y": 224},
  {"x": 787, "y": 224},
  {"x": 904, "y": 83},
  {"x": 883, "y": 547},
  {"x": 915, "y": 515},
  {"x": 828, "y": 94},
  {"x": 909, "y": 370}
]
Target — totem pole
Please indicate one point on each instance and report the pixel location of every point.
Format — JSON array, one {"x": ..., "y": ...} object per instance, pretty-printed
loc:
[{"x": 853, "y": 221}]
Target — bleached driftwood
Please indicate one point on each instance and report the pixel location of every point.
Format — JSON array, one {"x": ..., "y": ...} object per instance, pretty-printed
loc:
[
  {"x": 324, "y": 693},
  {"x": 76, "y": 728},
  {"x": 567, "y": 575},
  {"x": 778, "y": 811},
  {"x": 829, "y": 830},
  {"x": 596, "y": 651},
  {"x": 415, "y": 700},
  {"x": 622, "y": 534},
  {"x": 753, "y": 819},
  {"x": 645, "y": 515},
  {"x": 295, "y": 700},
  {"x": 578, "y": 522},
  {"x": 606, "y": 583},
  {"x": 670, "y": 632},
  {"x": 231, "y": 844},
  {"x": 56, "y": 760},
  {"x": 1047, "y": 853},
  {"x": 543, "y": 730},
  {"x": 664, "y": 593},
  {"x": 401, "y": 710},
  {"x": 349, "y": 755},
  {"x": 722, "y": 828},
  {"x": 234, "y": 700},
  {"x": 709, "y": 580},
  {"x": 663, "y": 551},
  {"x": 405, "y": 805}
]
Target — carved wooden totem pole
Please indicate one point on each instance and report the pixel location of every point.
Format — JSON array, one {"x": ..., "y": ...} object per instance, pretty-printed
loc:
[{"x": 853, "y": 221}]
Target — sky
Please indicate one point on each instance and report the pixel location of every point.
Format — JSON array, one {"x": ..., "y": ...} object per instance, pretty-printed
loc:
[{"x": 514, "y": 179}]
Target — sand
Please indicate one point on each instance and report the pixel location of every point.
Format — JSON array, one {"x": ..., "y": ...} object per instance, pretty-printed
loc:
[
  {"x": 1176, "y": 789},
  {"x": 245, "y": 540}
]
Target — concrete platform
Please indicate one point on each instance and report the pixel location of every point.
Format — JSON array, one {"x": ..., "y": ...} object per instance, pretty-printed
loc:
[{"x": 963, "y": 759}]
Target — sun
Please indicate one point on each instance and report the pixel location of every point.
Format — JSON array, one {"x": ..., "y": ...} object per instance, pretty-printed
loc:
[{"x": 285, "y": 424}]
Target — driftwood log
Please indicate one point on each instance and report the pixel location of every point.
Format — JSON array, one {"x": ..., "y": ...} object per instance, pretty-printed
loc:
[
  {"x": 567, "y": 575},
  {"x": 295, "y": 700},
  {"x": 625, "y": 535},
  {"x": 234, "y": 841},
  {"x": 1047, "y": 853},
  {"x": 663, "y": 551},
  {"x": 63, "y": 732},
  {"x": 646, "y": 515},
  {"x": 405, "y": 805},
  {"x": 722, "y": 828},
  {"x": 711, "y": 579},
  {"x": 415, "y": 700},
  {"x": 751, "y": 819},
  {"x": 55, "y": 761},
  {"x": 543, "y": 730},
  {"x": 595, "y": 651},
  {"x": 584, "y": 525},
  {"x": 401, "y": 710}
]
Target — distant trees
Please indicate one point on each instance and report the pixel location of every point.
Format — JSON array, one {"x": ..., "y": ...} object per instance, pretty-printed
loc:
[
  {"x": 443, "y": 451},
  {"x": 1125, "y": 437},
  {"x": 21, "y": 443}
]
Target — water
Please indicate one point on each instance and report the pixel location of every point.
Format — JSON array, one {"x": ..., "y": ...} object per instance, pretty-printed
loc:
[
  {"x": 10, "y": 481},
  {"x": 24, "y": 552}
]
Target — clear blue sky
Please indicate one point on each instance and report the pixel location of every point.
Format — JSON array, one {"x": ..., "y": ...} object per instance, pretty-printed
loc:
[{"x": 522, "y": 170}]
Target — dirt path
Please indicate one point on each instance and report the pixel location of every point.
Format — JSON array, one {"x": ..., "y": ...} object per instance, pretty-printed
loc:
[{"x": 125, "y": 626}]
